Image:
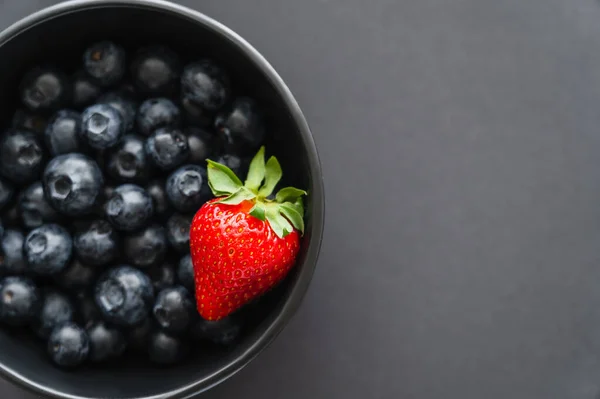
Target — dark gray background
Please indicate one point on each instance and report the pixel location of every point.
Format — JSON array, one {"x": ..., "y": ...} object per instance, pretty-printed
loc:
[{"x": 461, "y": 149}]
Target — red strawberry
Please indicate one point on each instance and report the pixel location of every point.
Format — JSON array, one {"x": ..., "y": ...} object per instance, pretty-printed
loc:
[{"x": 243, "y": 243}]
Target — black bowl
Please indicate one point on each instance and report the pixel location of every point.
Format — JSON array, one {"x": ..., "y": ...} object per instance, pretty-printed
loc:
[{"x": 59, "y": 34}]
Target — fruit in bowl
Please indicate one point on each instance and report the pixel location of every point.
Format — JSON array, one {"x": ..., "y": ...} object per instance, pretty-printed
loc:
[
  {"x": 241, "y": 244},
  {"x": 143, "y": 225}
]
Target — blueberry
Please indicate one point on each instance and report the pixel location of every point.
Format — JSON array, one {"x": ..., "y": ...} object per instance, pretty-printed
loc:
[
  {"x": 20, "y": 301},
  {"x": 21, "y": 156},
  {"x": 48, "y": 249},
  {"x": 146, "y": 247},
  {"x": 44, "y": 89},
  {"x": 72, "y": 183},
  {"x": 56, "y": 309},
  {"x": 156, "y": 70},
  {"x": 34, "y": 207},
  {"x": 101, "y": 126},
  {"x": 124, "y": 104},
  {"x": 26, "y": 120},
  {"x": 105, "y": 62},
  {"x": 12, "y": 260},
  {"x": 167, "y": 148},
  {"x": 63, "y": 131},
  {"x": 106, "y": 342},
  {"x": 77, "y": 276},
  {"x": 85, "y": 90},
  {"x": 187, "y": 188},
  {"x": 157, "y": 112},
  {"x": 201, "y": 143},
  {"x": 129, "y": 208},
  {"x": 156, "y": 190},
  {"x": 241, "y": 126},
  {"x": 6, "y": 192},
  {"x": 68, "y": 345},
  {"x": 221, "y": 332},
  {"x": 174, "y": 309},
  {"x": 127, "y": 162},
  {"x": 238, "y": 165},
  {"x": 138, "y": 337},
  {"x": 205, "y": 88},
  {"x": 165, "y": 349},
  {"x": 185, "y": 272},
  {"x": 162, "y": 276},
  {"x": 97, "y": 244},
  {"x": 178, "y": 232},
  {"x": 124, "y": 295},
  {"x": 87, "y": 310}
]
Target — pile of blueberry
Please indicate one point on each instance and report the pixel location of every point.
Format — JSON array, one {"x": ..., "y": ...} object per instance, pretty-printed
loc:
[{"x": 101, "y": 173}]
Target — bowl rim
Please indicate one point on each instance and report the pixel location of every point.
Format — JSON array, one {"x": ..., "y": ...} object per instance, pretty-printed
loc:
[{"x": 298, "y": 291}]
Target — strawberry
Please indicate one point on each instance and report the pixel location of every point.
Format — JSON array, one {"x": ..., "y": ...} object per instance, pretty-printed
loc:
[{"x": 244, "y": 242}]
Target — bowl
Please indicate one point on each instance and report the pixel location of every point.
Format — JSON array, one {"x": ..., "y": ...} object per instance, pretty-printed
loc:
[{"x": 58, "y": 35}]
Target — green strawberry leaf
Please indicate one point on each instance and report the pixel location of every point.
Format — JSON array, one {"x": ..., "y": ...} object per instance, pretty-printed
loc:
[
  {"x": 297, "y": 206},
  {"x": 290, "y": 194},
  {"x": 280, "y": 225},
  {"x": 273, "y": 174},
  {"x": 221, "y": 179},
  {"x": 256, "y": 172},
  {"x": 243, "y": 194},
  {"x": 258, "y": 211},
  {"x": 291, "y": 213}
]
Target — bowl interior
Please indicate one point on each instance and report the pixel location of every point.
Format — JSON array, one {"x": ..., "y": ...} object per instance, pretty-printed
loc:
[{"x": 60, "y": 40}]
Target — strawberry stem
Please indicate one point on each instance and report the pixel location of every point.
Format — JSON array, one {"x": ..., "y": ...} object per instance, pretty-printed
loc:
[{"x": 284, "y": 213}]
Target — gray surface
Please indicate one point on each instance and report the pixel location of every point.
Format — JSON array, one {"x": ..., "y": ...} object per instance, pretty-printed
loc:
[{"x": 461, "y": 148}]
